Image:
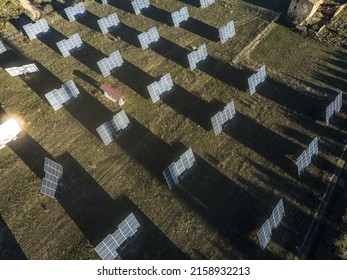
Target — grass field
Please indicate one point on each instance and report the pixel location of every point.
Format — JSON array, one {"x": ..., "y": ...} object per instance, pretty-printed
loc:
[{"x": 217, "y": 209}]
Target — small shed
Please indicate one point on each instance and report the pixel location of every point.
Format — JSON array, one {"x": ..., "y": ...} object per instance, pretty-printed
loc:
[{"x": 113, "y": 94}]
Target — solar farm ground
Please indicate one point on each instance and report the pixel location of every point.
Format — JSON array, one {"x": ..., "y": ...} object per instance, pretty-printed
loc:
[{"x": 241, "y": 174}]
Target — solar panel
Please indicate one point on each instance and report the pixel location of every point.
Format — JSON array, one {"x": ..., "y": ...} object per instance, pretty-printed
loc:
[
  {"x": 110, "y": 130},
  {"x": 221, "y": 118},
  {"x": 68, "y": 46},
  {"x": 264, "y": 234},
  {"x": 37, "y": 29},
  {"x": 206, "y": 3},
  {"x": 108, "y": 23},
  {"x": 156, "y": 89},
  {"x": 176, "y": 171},
  {"x": 180, "y": 16},
  {"x": 2, "y": 48},
  {"x": 197, "y": 56},
  {"x": 113, "y": 244},
  {"x": 104, "y": 1},
  {"x": 307, "y": 156},
  {"x": 256, "y": 79},
  {"x": 277, "y": 214},
  {"x": 149, "y": 37},
  {"x": 107, "y": 65},
  {"x": 74, "y": 12},
  {"x": 58, "y": 97},
  {"x": 52, "y": 180},
  {"x": 9, "y": 131},
  {"x": 227, "y": 32},
  {"x": 22, "y": 70},
  {"x": 139, "y": 5},
  {"x": 333, "y": 108}
]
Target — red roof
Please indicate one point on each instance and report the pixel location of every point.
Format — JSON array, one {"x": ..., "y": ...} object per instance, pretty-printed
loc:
[{"x": 111, "y": 91}]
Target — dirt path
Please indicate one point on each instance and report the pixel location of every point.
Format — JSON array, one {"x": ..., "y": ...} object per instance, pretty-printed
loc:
[{"x": 35, "y": 12}]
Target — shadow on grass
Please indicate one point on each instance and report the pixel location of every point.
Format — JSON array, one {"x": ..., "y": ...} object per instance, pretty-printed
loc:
[
  {"x": 201, "y": 29},
  {"x": 124, "y": 5},
  {"x": 158, "y": 15},
  {"x": 90, "y": 20},
  {"x": 126, "y": 34},
  {"x": 9, "y": 247}
]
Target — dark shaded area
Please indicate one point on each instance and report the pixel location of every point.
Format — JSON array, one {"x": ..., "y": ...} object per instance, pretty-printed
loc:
[
  {"x": 201, "y": 29},
  {"x": 135, "y": 78},
  {"x": 225, "y": 206},
  {"x": 58, "y": 6},
  {"x": 52, "y": 38},
  {"x": 89, "y": 56},
  {"x": 192, "y": 107},
  {"x": 90, "y": 20},
  {"x": 97, "y": 214},
  {"x": 12, "y": 59},
  {"x": 19, "y": 22},
  {"x": 171, "y": 51},
  {"x": 126, "y": 34},
  {"x": 300, "y": 102},
  {"x": 275, "y": 5},
  {"x": 158, "y": 15},
  {"x": 86, "y": 78},
  {"x": 263, "y": 141},
  {"x": 195, "y": 3},
  {"x": 225, "y": 72},
  {"x": 124, "y": 5},
  {"x": 9, "y": 247}
]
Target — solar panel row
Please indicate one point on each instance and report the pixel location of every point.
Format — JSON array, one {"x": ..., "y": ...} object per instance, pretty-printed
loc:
[
  {"x": 37, "y": 29},
  {"x": 113, "y": 244},
  {"x": 107, "y": 65},
  {"x": 265, "y": 232},
  {"x": 256, "y": 79},
  {"x": 176, "y": 171},
  {"x": 221, "y": 118},
  {"x": 149, "y": 37},
  {"x": 333, "y": 108},
  {"x": 156, "y": 89},
  {"x": 197, "y": 56},
  {"x": 58, "y": 97},
  {"x": 180, "y": 16},
  {"x": 307, "y": 156}
]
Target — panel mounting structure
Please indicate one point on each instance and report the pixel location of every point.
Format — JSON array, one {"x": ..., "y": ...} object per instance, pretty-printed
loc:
[
  {"x": 58, "y": 97},
  {"x": 110, "y": 130},
  {"x": 108, "y": 64},
  {"x": 156, "y": 89},
  {"x": 139, "y": 5},
  {"x": 51, "y": 183},
  {"x": 197, "y": 56},
  {"x": 265, "y": 232},
  {"x": 307, "y": 156},
  {"x": 221, "y": 118},
  {"x": 205, "y": 3},
  {"x": 177, "y": 170},
  {"x": 108, "y": 23},
  {"x": 68, "y": 46},
  {"x": 227, "y": 32},
  {"x": 333, "y": 108},
  {"x": 256, "y": 79},
  {"x": 149, "y": 37},
  {"x": 113, "y": 244},
  {"x": 75, "y": 12},
  {"x": 180, "y": 16},
  {"x": 37, "y": 29},
  {"x": 22, "y": 70}
]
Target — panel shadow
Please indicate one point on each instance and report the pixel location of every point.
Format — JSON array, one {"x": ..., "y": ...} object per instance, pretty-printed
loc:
[
  {"x": 124, "y": 5},
  {"x": 9, "y": 247},
  {"x": 201, "y": 29},
  {"x": 90, "y": 20},
  {"x": 195, "y": 3},
  {"x": 52, "y": 38},
  {"x": 192, "y": 107},
  {"x": 19, "y": 22},
  {"x": 126, "y": 34},
  {"x": 264, "y": 142},
  {"x": 158, "y": 15},
  {"x": 86, "y": 78}
]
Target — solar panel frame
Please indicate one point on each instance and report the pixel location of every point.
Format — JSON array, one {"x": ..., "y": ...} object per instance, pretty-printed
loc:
[
  {"x": 108, "y": 23},
  {"x": 37, "y": 29},
  {"x": 149, "y": 37},
  {"x": 264, "y": 234},
  {"x": 227, "y": 32},
  {"x": 109, "y": 64},
  {"x": 113, "y": 244},
  {"x": 22, "y": 70},
  {"x": 139, "y": 5},
  {"x": 75, "y": 12},
  {"x": 180, "y": 16},
  {"x": 197, "y": 56}
]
